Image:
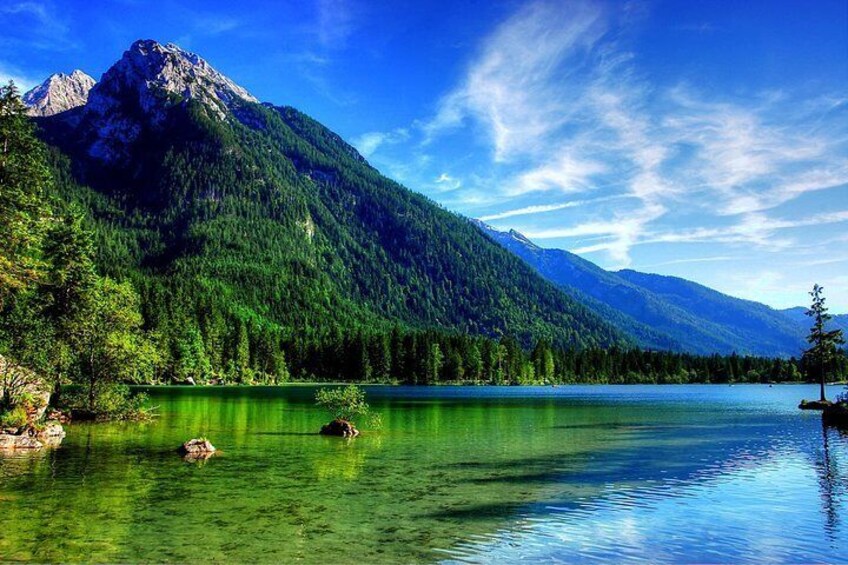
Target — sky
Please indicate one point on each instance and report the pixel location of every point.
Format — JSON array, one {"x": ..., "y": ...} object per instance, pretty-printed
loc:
[{"x": 701, "y": 139}]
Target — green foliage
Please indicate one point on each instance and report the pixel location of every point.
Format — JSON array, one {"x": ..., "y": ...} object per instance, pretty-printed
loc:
[
  {"x": 14, "y": 417},
  {"x": 346, "y": 403},
  {"x": 62, "y": 319},
  {"x": 112, "y": 402},
  {"x": 254, "y": 241},
  {"x": 24, "y": 177},
  {"x": 824, "y": 351}
]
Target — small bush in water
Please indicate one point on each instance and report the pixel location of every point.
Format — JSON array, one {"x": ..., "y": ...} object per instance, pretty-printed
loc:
[{"x": 347, "y": 403}]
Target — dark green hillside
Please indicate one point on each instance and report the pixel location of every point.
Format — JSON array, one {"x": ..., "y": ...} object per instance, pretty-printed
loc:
[{"x": 264, "y": 229}]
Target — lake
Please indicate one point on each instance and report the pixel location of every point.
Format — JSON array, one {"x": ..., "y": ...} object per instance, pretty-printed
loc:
[{"x": 479, "y": 474}]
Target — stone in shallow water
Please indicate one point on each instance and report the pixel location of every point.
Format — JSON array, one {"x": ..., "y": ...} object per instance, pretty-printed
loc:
[
  {"x": 196, "y": 448},
  {"x": 339, "y": 427}
]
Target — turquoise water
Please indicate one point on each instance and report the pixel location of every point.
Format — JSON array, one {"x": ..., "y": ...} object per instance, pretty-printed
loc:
[{"x": 483, "y": 474}]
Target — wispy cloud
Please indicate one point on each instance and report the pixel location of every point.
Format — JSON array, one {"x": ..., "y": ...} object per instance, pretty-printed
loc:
[
  {"x": 544, "y": 208},
  {"x": 37, "y": 24},
  {"x": 511, "y": 90},
  {"x": 336, "y": 22},
  {"x": 564, "y": 108},
  {"x": 689, "y": 261},
  {"x": 448, "y": 183},
  {"x": 368, "y": 143},
  {"x": 22, "y": 81}
]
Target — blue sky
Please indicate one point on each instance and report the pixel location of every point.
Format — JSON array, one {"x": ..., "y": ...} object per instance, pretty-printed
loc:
[{"x": 703, "y": 139}]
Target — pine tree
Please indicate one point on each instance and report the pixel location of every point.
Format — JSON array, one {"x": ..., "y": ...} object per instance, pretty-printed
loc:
[
  {"x": 824, "y": 343},
  {"x": 24, "y": 176}
]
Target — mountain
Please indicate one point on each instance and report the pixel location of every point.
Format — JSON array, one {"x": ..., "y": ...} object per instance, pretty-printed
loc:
[
  {"x": 59, "y": 93},
  {"x": 682, "y": 315},
  {"x": 759, "y": 329},
  {"x": 798, "y": 315},
  {"x": 233, "y": 216}
]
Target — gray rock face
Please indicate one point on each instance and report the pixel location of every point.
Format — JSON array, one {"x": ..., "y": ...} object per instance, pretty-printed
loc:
[
  {"x": 59, "y": 93},
  {"x": 148, "y": 79}
]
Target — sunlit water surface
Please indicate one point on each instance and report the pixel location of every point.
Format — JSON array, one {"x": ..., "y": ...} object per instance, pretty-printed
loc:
[{"x": 487, "y": 474}]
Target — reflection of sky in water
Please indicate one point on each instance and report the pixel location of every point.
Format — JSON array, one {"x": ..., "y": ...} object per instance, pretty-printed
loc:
[
  {"x": 781, "y": 503},
  {"x": 721, "y": 519}
]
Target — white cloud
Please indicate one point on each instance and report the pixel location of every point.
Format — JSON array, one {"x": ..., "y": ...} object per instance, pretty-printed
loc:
[
  {"x": 568, "y": 174},
  {"x": 336, "y": 22},
  {"x": 447, "y": 182},
  {"x": 510, "y": 89},
  {"x": 529, "y": 210},
  {"x": 563, "y": 105},
  {"x": 368, "y": 143},
  {"x": 23, "y": 82}
]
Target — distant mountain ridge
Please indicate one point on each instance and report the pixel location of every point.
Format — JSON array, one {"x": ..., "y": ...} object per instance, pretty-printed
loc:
[
  {"x": 798, "y": 314},
  {"x": 690, "y": 316}
]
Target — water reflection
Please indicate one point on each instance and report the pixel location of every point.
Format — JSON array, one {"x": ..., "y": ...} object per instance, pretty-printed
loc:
[
  {"x": 832, "y": 484},
  {"x": 657, "y": 473}
]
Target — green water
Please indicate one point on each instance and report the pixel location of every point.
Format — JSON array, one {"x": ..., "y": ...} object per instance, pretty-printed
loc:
[{"x": 688, "y": 473}]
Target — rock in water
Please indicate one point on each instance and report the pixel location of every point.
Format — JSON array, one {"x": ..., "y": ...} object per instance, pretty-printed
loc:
[
  {"x": 814, "y": 404},
  {"x": 339, "y": 427},
  {"x": 195, "y": 449}
]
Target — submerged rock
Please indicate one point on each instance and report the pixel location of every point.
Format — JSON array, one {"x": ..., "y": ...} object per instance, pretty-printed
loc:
[
  {"x": 339, "y": 427},
  {"x": 195, "y": 449},
  {"x": 814, "y": 404}
]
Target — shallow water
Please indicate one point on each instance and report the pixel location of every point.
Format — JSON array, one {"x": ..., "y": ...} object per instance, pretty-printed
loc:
[{"x": 485, "y": 474}]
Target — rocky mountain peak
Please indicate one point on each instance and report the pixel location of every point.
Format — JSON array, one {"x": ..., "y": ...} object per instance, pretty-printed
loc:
[
  {"x": 153, "y": 72},
  {"x": 137, "y": 91},
  {"x": 521, "y": 238},
  {"x": 59, "y": 93}
]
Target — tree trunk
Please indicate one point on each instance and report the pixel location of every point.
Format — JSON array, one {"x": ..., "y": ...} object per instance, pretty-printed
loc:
[
  {"x": 821, "y": 383},
  {"x": 91, "y": 382}
]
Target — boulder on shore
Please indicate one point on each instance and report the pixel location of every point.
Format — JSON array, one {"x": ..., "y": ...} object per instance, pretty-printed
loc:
[
  {"x": 50, "y": 436},
  {"x": 197, "y": 448},
  {"x": 814, "y": 404},
  {"x": 339, "y": 427}
]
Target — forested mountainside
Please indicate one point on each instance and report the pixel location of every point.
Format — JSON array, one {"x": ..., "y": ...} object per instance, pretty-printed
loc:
[{"x": 247, "y": 226}]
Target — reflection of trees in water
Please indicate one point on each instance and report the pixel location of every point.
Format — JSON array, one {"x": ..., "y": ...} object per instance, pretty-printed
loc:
[
  {"x": 345, "y": 457},
  {"x": 831, "y": 483}
]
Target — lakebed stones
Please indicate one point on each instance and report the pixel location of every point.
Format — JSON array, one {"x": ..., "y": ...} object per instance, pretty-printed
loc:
[
  {"x": 339, "y": 427},
  {"x": 197, "y": 449}
]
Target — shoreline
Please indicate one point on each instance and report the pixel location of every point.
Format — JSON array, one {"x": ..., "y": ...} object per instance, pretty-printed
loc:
[{"x": 471, "y": 385}]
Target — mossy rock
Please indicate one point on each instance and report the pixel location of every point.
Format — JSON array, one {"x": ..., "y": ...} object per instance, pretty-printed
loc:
[{"x": 814, "y": 404}]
